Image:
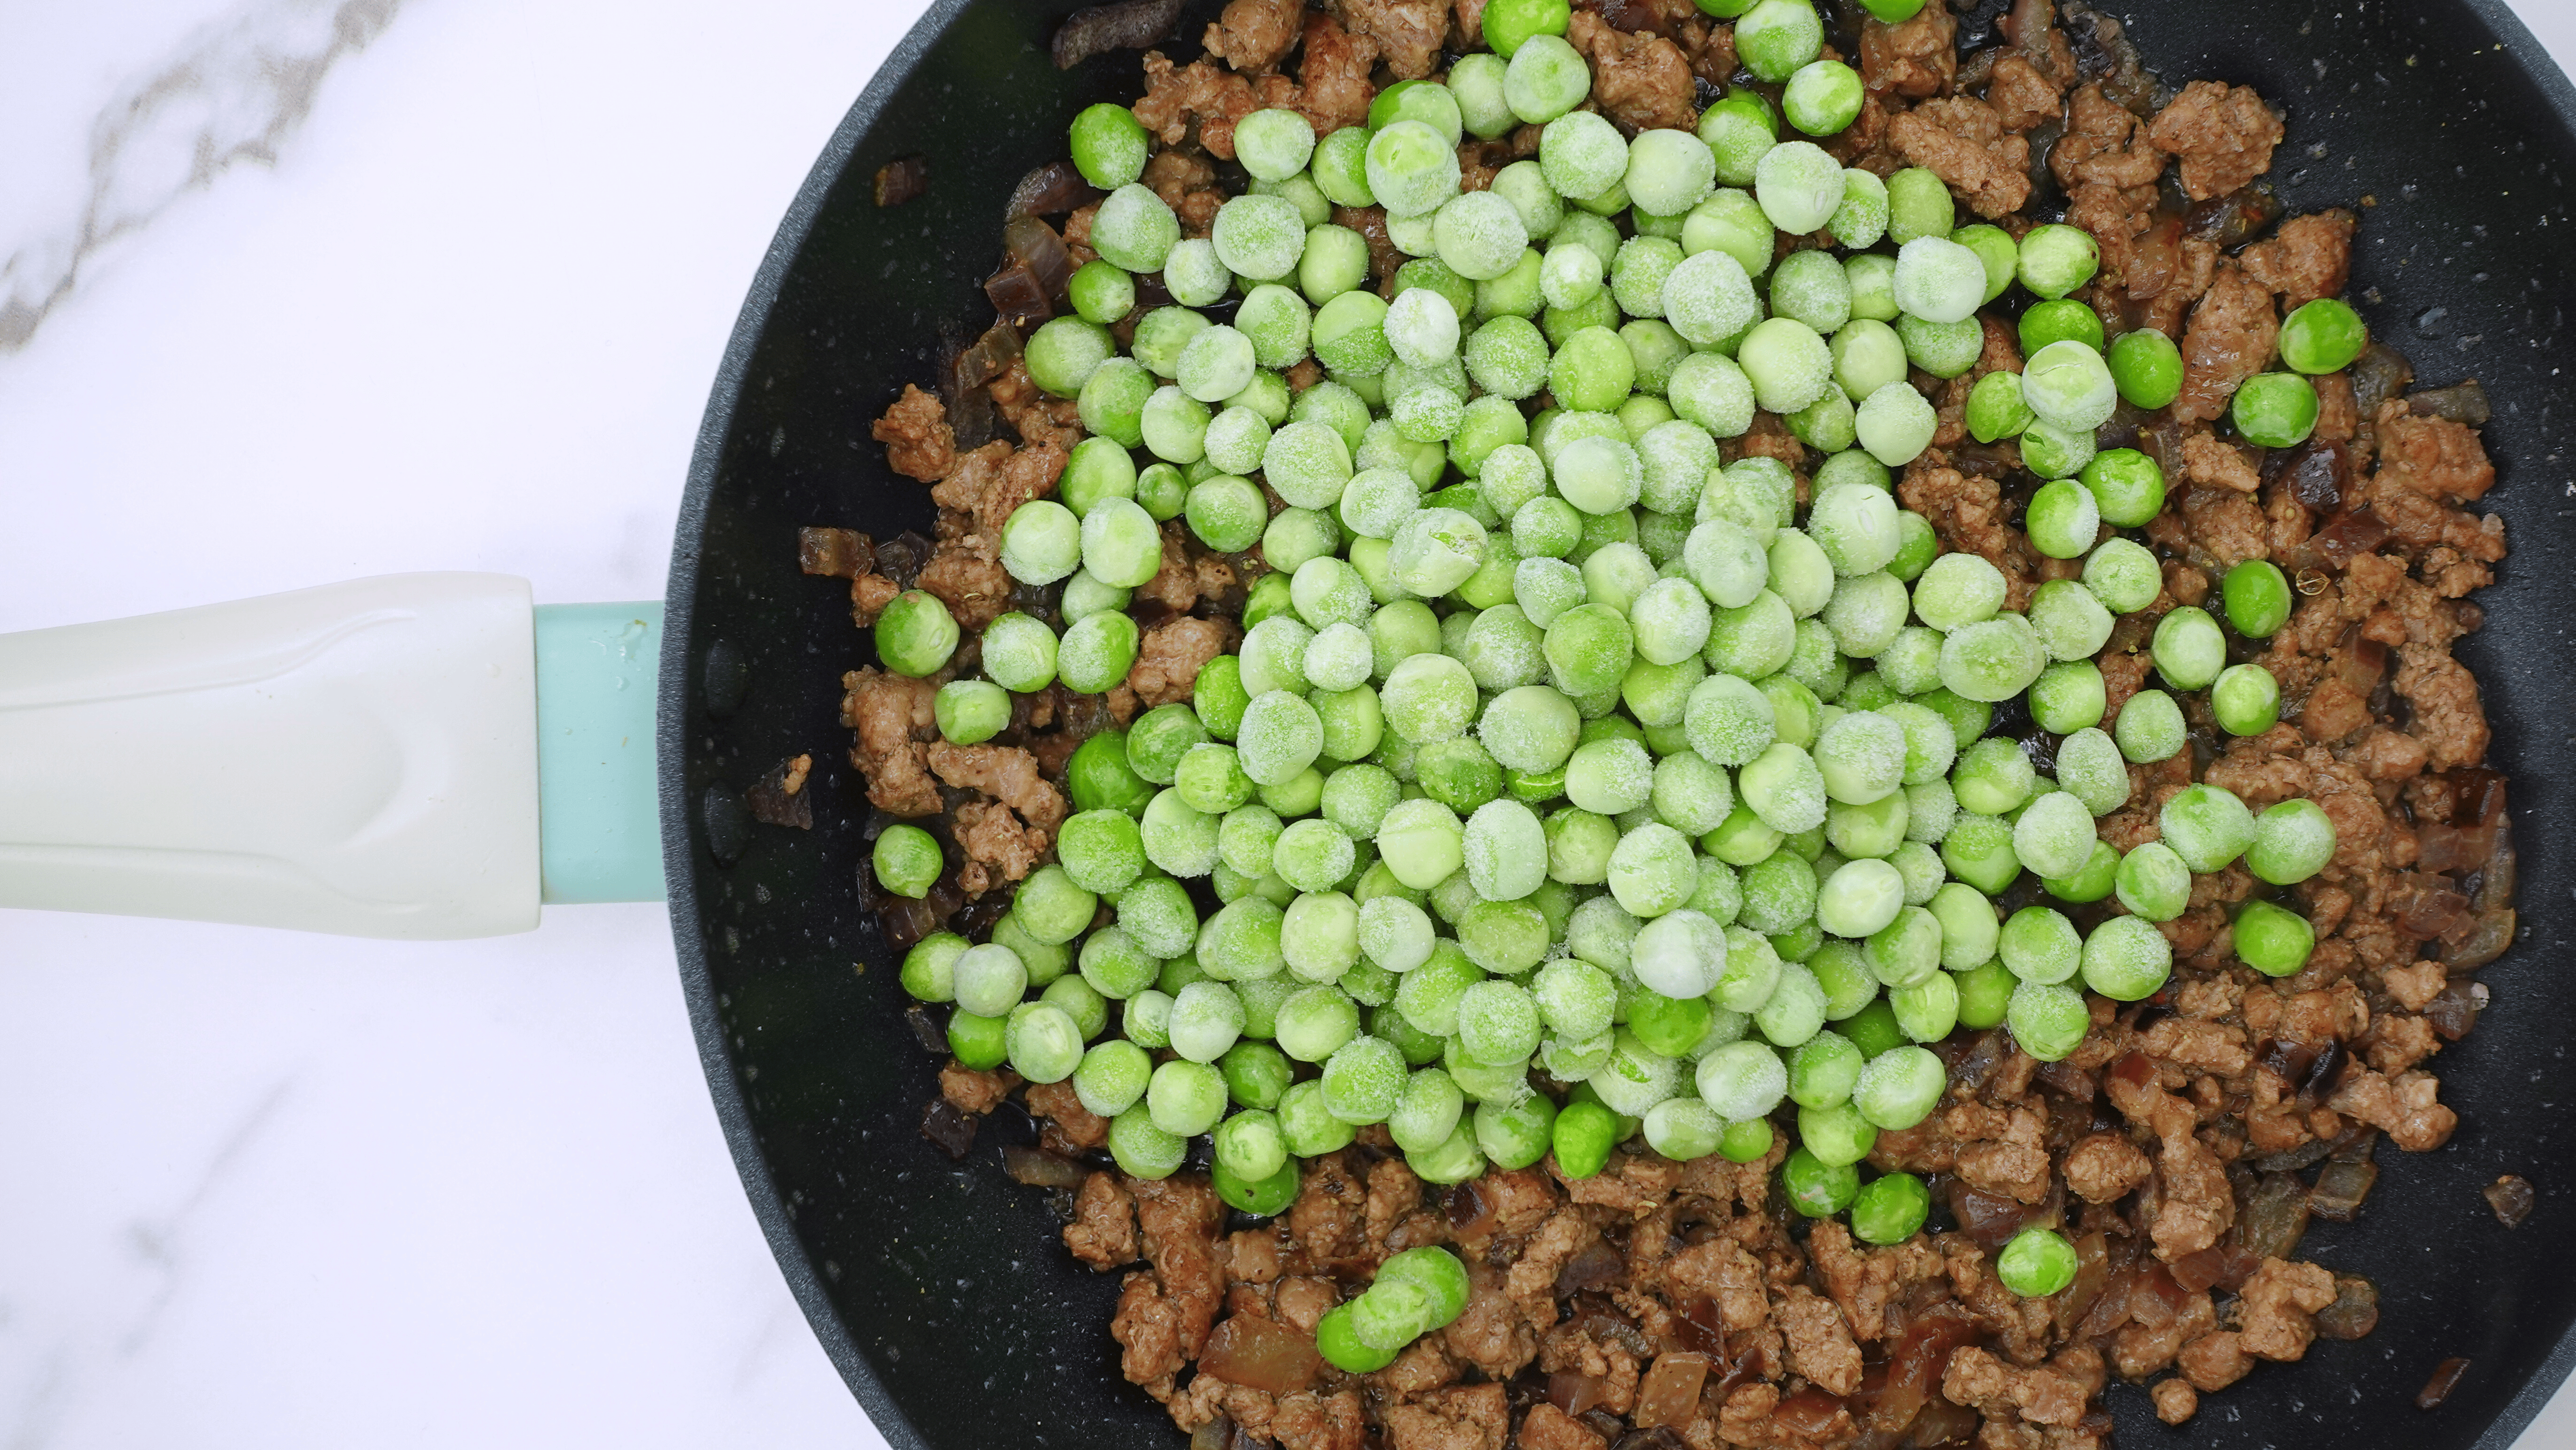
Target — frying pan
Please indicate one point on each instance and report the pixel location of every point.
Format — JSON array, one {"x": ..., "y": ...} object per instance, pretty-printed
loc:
[{"x": 939, "y": 1289}]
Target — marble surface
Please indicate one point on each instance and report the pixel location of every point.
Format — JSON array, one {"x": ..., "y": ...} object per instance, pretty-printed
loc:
[{"x": 293, "y": 291}]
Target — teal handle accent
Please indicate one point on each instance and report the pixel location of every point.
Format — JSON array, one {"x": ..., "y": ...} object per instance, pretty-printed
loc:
[{"x": 599, "y": 823}]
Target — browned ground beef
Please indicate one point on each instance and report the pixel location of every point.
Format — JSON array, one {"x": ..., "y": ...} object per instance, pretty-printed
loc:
[{"x": 2183, "y": 1148}]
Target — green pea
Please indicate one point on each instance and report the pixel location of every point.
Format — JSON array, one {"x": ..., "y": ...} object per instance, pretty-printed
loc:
[
  {"x": 2273, "y": 939},
  {"x": 2036, "y": 1264},
  {"x": 1890, "y": 1209},
  {"x": 1582, "y": 1136},
  {"x": 2147, "y": 368},
  {"x": 2067, "y": 321},
  {"x": 1815, "y": 1188},
  {"x": 2258, "y": 598}
]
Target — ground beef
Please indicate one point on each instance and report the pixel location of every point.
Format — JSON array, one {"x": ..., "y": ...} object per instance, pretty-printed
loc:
[
  {"x": 1170, "y": 656},
  {"x": 966, "y": 573},
  {"x": 2222, "y": 134},
  {"x": 2021, "y": 95},
  {"x": 1820, "y": 1343},
  {"x": 1204, "y": 95},
  {"x": 892, "y": 715},
  {"x": 919, "y": 443},
  {"x": 869, "y": 595},
  {"x": 1962, "y": 141},
  {"x": 2104, "y": 145},
  {"x": 1640, "y": 80},
  {"x": 1549, "y": 1428},
  {"x": 975, "y": 1093},
  {"x": 2431, "y": 456},
  {"x": 992, "y": 482},
  {"x": 2230, "y": 339},
  {"x": 1967, "y": 514},
  {"x": 1255, "y": 35},
  {"x": 2175, "y": 1400},
  {"x": 1103, "y": 1231},
  {"x": 2040, "y": 1396},
  {"x": 1006, "y": 773},
  {"x": 1407, "y": 32},
  {"x": 2310, "y": 257},
  {"x": 1917, "y": 57},
  {"x": 2105, "y": 1167},
  {"x": 1462, "y": 1417},
  {"x": 1334, "y": 75},
  {"x": 2206, "y": 460}
]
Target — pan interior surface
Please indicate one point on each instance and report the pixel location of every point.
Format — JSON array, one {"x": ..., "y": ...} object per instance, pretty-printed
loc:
[{"x": 941, "y": 1290}]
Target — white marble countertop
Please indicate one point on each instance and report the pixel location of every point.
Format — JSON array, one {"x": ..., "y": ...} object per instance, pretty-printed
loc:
[{"x": 294, "y": 291}]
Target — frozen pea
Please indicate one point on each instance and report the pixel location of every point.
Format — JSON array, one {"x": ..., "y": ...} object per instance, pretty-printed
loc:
[
  {"x": 2149, "y": 727},
  {"x": 2048, "y": 1021},
  {"x": 1861, "y": 757},
  {"x": 1498, "y": 1023},
  {"x": 2054, "y": 836},
  {"x": 1690, "y": 794},
  {"x": 1928, "y": 1010},
  {"x": 1799, "y": 184},
  {"x": 1992, "y": 659},
  {"x": 1428, "y": 697},
  {"x": 1899, "y": 1088},
  {"x": 1753, "y": 641},
  {"x": 1866, "y": 613},
  {"x": 1871, "y": 832},
  {"x": 1783, "y": 786},
  {"x": 1364, "y": 1080},
  {"x": 1422, "y": 843},
  {"x": 1579, "y": 846},
  {"x": 1969, "y": 928},
  {"x": 1710, "y": 390},
  {"x": 1993, "y": 776},
  {"x": 1958, "y": 589},
  {"x": 1930, "y": 810},
  {"x": 1788, "y": 364},
  {"x": 1679, "y": 954},
  {"x": 1907, "y": 950},
  {"x": 2090, "y": 768},
  {"x": 1506, "y": 850},
  {"x": 1779, "y": 892},
  {"x": 2152, "y": 882},
  {"x": 1657, "y": 695},
  {"x": 2292, "y": 842},
  {"x": 1860, "y": 898},
  {"x": 1651, "y": 871},
  {"x": 2207, "y": 825},
  {"x": 1742, "y": 1080},
  {"x": 2126, "y": 959},
  {"x": 2040, "y": 945}
]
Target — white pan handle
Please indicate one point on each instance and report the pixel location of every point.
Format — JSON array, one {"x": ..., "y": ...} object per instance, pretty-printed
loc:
[{"x": 359, "y": 758}]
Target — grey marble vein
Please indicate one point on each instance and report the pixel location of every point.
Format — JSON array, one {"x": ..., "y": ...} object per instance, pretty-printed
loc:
[{"x": 230, "y": 94}]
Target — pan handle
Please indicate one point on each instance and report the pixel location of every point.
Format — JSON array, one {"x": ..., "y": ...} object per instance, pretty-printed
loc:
[{"x": 415, "y": 756}]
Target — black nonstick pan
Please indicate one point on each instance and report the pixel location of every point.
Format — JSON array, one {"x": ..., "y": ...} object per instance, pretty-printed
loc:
[{"x": 940, "y": 1289}]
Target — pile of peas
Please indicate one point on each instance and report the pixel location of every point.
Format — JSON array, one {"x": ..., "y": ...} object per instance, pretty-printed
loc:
[{"x": 1552, "y": 743}]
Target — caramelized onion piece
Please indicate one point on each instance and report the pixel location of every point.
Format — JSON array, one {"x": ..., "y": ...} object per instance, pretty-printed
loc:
[
  {"x": 2349, "y": 535},
  {"x": 2354, "y": 1312},
  {"x": 1254, "y": 1352},
  {"x": 902, "y": 179},
  {"x": 951, "y": 1130},
  {"x": 1099, "y": 29},
  {"x": 2512, "y": 1198},
  {"x": 1669, "y": 1394},
  {"x": 2460, "y": 402},
  {"x": 1050, "y": 190},
  {"x": 2275, "y": 1217},
  {"x": 2445, "y": 1379},
  {"x": 2454, "y": 1010},
  {"x": 2340, "y": 1189},
  {"x": 1573, "y": 1391},
  {"x": 1039, "y": 1168}
]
